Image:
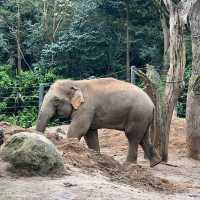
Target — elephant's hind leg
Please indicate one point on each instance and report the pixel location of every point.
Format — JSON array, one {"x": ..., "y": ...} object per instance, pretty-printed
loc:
[
  {"x": 92, "y": 140},
  {"x": 132, "y": 149},
  {"x": 134, "y": 132},
  {"x": 150, "y": 151}
]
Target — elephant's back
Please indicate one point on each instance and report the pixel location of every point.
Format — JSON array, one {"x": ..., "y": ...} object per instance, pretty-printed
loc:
[
  {"x": 120, "y": 89},
  {"x": 117, "y": 102},
  {"x": 119, "y": 96}
]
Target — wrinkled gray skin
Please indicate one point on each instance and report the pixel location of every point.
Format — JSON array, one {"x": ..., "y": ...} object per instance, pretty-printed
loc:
[{"x": 102, "y": 103}]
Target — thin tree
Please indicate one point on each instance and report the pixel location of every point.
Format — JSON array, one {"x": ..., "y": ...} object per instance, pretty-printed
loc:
[
  {"x": 165, "y": 96},
  {"x": 18, "y": 35},
  {"x": 193, "y": 97},
  {"x": 55, "y": 15},
  {"x": 164, "y": 20},
  {"x": 128, "y": 70}
]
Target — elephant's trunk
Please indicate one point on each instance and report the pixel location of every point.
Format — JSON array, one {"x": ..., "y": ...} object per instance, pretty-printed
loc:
[
  {"x": 42, "y": 122},
  {"x": 46, "y": 113}
]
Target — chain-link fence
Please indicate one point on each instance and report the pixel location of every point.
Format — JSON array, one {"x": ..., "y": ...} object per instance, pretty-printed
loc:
[{"x": 20, "y": 104}]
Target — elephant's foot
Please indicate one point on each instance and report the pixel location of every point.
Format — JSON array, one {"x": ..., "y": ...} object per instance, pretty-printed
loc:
[
  {"x": 154, "y": 157},
  {"x": 131, "y": 164},
  {"x": 132, "y": 160},
  {"x": 73, "y": 140},
  {"x": 155, "y": 161}
]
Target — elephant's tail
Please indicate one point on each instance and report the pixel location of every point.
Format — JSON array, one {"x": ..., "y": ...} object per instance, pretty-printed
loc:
[
  {"x": 152, "y": 130},
  {"x": 149, "y": 140},
  {"x": 155, "y": 134}
]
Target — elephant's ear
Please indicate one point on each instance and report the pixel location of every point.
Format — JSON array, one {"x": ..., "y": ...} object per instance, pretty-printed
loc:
[{"x": 77, "y": 98}]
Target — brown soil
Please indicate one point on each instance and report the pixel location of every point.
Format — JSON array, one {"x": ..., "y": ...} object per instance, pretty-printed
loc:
[
  {"x": 180, "y": 179},
  {"x": 79, "y": 156}
]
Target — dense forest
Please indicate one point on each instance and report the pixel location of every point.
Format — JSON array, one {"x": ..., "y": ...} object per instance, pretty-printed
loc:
[{"x": 41, "y": 41}]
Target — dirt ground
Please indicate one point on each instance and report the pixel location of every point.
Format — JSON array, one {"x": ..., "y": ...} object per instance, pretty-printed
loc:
[{"x": 92, "y": 176}]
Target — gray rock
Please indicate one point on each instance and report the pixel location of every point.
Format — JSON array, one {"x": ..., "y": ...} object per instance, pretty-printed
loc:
[{"x": 32, "y": 152}]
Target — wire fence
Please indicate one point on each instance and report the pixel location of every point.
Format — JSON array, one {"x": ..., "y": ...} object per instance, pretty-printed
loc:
[{"x": 20, "y": 104}]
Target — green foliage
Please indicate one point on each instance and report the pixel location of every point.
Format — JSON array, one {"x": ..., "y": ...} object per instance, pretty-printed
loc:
[
  {"x": 181, "y": 105},
  {"x": 180, "y": 109},
  {"x": 19, "y": 95},
  {"x": 187, "y": 73},
  {"x": 3, "y": 106},
  {"x": 144, "y": 26},
  {"x": 95, "y": 43},
  {"x": 71, "y": 39},
  {"x": 5, "y": 81},
  {"x": 80, "y": 38},
  {"x": 27, "y": 117}
]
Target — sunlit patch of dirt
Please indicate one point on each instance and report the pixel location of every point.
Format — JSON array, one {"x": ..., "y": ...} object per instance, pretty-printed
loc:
[
  {"x": 79, "y": 156},
  {"x": 104, "y": 176}
]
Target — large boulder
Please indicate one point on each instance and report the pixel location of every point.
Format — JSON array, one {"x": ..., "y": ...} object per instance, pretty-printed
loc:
[{"x": 32, "y": 152}]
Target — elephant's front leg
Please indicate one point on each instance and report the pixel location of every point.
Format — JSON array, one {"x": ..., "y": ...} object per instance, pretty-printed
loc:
[
  {"x": 79, "y": 127},
  {"x": 92, "y": 140}
]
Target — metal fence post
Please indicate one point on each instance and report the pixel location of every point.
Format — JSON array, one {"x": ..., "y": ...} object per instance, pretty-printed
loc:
[
  {"x": 133, "y": 78},
  {"x": 41, "y": 94}
]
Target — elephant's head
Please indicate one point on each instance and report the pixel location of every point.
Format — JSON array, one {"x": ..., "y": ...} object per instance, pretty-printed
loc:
[{"x": 62, "y": 98}]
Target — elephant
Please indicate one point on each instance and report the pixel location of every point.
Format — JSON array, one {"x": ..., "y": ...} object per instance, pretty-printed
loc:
[
  {"x": 102, "y": 103},
  {"x": 1, "y": 137}
]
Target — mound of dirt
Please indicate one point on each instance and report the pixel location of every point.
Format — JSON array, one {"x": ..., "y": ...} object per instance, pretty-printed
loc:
[
  {"x": 80, "y": 157},
  {"x": 10, "y": 129},
  {"x": 88, "y": 161}
]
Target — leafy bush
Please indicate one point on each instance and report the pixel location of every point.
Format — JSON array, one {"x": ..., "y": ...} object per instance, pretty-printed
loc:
[
  {"x": 181, "y": 105},
  {"x": 26, "y": 118},
  {"x": 19, "y": 95}
]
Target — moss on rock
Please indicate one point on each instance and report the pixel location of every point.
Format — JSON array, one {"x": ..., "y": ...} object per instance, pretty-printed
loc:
[{"x": 32, "y": 152}]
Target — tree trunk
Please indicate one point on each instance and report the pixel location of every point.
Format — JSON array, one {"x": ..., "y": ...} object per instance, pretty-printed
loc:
[
  {"x": 157, "y": 134},
  {"x": 174, "y": 81},
  {"x": 128, "y": 70},
  {"x": 45, "y": 23},
  {"x": 165, "y": 98},
  {"x": 19, "y": 58},
  {"x": 166, "y": 35},
  {"x": 193, "y": 98}
]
